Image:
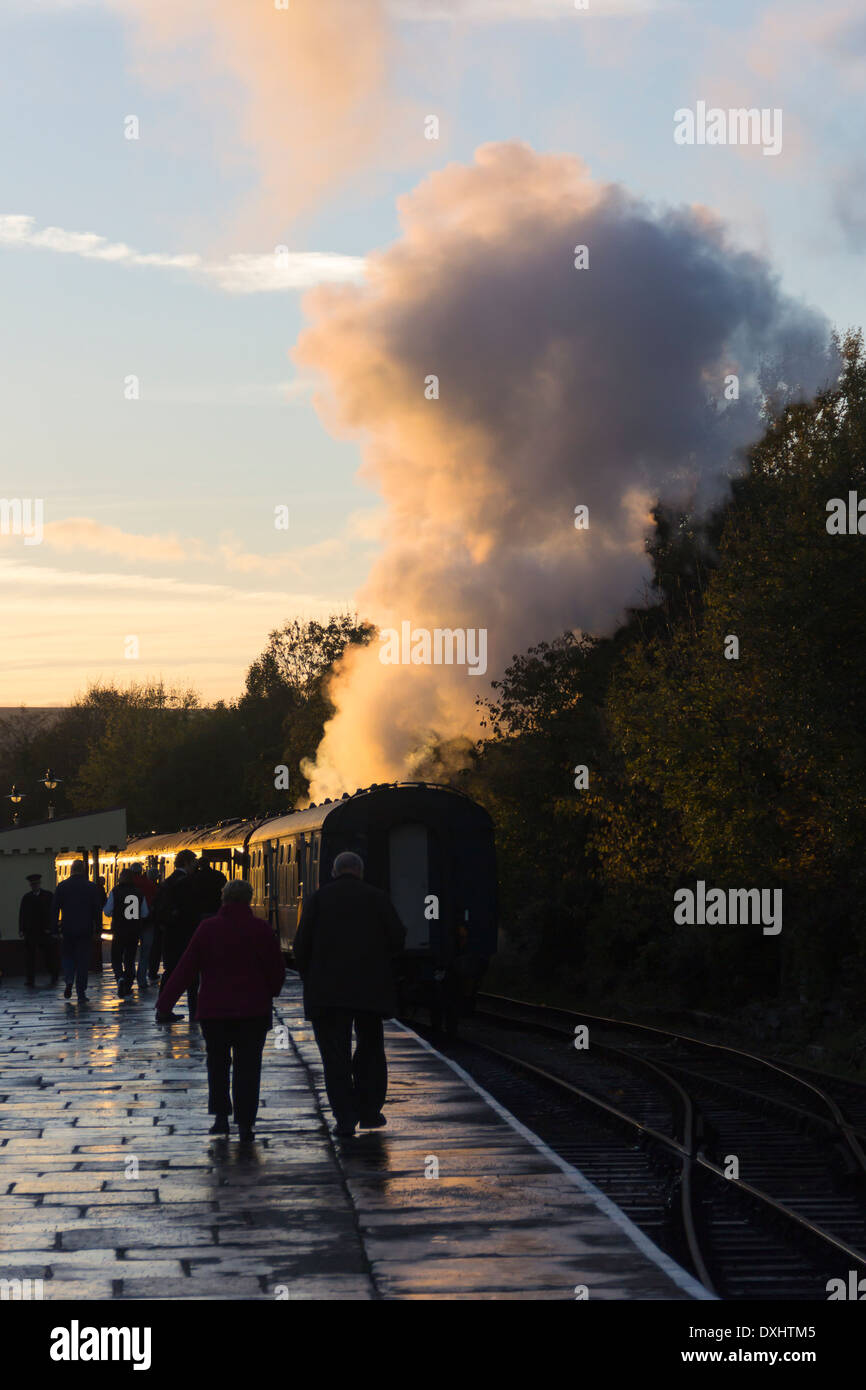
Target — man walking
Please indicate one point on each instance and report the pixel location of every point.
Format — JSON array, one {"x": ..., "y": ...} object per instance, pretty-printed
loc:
[
  {"x": 175, "y": 910},
  {"x": 34, "y": 924},
  {"x": 77, "y": 908},
  {"x": 146, "y": 888},
  {"x": 127, "y": 908},
  {"x": 348, "y": 936},
  {"x": 208, "y": 883}
]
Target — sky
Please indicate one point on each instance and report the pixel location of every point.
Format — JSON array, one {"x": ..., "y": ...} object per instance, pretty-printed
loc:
[{"x": 165, "y": 296}]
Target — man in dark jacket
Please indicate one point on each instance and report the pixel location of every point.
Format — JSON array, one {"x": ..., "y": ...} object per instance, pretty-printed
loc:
[
  {"x": 77, "y": 908},
  {"x": 208, "y": 883},
  {"x": 348, "y": 936},
  {"x": 127, "y": 908},
  {"x": 34, "y": 924},
  {"x": 176, "y": 911}
]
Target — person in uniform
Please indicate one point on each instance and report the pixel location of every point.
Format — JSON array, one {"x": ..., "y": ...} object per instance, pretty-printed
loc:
[{"x": 34, "y": 924}]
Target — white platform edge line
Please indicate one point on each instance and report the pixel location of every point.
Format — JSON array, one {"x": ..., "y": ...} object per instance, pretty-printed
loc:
[{"x": 669, "y": 1266}]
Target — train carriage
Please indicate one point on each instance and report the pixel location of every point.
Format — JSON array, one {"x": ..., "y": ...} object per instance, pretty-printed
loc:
[{"x": 428, "y": 846}]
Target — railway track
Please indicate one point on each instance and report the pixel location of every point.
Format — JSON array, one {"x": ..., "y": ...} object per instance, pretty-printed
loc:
[{"x": 751, "y": 1173}]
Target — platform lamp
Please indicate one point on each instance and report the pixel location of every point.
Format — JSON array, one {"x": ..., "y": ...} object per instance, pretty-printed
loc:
[
  {"x": 52, "y": 783},
  {"x": 16, "y": 797}
]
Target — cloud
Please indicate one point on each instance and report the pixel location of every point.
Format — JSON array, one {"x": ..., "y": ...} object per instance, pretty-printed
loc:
[
  {"x": 849, "y": 204},
  {"x": 786, "y": 36},
  {"x": 283, "y": 270},
  {"x": 18, "y": 229},
  {"x": 497, "y": 11},
  {"x": 114, "y": 583},
  {"x": 270, "y": 273},
  {"x": 81, "y": 534},
  {"x": 296, "y": 561},
  {"x": 557, "y": 387}
]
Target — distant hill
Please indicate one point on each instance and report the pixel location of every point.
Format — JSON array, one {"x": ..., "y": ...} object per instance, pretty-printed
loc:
[{"x": 16, "y": 720}]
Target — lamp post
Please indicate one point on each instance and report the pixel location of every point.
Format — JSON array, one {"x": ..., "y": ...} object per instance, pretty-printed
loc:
[
  {"x": 16, "y": 797},
  {"x": 52, "y": 783}
]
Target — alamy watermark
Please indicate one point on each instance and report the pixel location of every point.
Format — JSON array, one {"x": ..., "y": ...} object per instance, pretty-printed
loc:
[
  {"x": 77, "y": 1343},
  {"x": 731, "y": 907},
  {"x": 444, "y": 646},
  {"x": 739, "y": 125},
  {"x": 23, "y": 1290},
  {"x": 22, "y": 516}
]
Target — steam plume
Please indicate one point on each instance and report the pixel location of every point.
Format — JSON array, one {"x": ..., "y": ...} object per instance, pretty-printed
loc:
[
  {"x": 310, "y": 94},
  {"x": 558, "y": 387}
]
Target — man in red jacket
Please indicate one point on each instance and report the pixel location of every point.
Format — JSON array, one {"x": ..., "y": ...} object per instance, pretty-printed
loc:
[{"x": 239, "y": 961}]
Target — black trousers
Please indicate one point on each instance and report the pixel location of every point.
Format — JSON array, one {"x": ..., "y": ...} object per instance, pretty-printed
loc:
[
  {"x": 75, "y": 954},
  {"x": 36, "y": 942},
  {"x": 235, "y": 1045},
  {"x": 124, "y": 944},
  {"x": 356, "y": 1086},
  {"x": 174, "y": 943}
]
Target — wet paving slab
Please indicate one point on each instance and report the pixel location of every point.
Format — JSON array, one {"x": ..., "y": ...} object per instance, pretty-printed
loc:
[{"x": 111, "y": 1187}]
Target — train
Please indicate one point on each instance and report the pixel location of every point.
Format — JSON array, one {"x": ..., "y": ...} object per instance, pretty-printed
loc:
[{"x": 430, "y": 847}]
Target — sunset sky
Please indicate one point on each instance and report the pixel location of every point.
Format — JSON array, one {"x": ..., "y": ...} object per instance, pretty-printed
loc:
[{"x": 261, "y": 129}]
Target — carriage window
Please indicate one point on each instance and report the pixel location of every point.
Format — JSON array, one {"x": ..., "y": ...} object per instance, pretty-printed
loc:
[{"x": 409, "y": 875}]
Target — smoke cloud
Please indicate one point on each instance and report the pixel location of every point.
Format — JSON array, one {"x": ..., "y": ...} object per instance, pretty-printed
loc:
[
  {"x": 308, "y": 85},
  {"x": 558, "y": 387}
]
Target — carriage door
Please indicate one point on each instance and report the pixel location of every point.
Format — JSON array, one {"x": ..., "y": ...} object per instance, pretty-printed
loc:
[
  {"x": 409, "y": 875},
  {"x": 270, "y": 889}
]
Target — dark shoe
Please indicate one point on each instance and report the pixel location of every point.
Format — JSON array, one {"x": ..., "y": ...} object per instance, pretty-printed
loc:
[
  {"x": 169, "y": 1018},
  {"x": 344, "y": 1131},
  {"x": 67, "y": 993},
  {"x": 83, "y": 999},
  {"x": 246, "y": 1136},
  {"x": 374, "y": 1122},
  {"x": 220, "y": 1125},
  {"x": 31, "y": 984}
]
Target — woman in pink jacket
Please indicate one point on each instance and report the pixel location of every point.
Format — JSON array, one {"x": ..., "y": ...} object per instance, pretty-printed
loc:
[{"x": 241, "y": 967}]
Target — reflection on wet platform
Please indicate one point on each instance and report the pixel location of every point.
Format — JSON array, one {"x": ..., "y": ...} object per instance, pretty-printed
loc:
[{"x": 113, "y": 1188}]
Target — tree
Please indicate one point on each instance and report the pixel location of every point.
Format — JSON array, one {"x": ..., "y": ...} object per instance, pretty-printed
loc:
[
  {"x": 750, "y": 771},
  {"x": 285, "y": 705}
]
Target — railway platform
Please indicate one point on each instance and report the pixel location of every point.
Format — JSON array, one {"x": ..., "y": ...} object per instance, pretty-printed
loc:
[{"x": 112, "y": 1188}]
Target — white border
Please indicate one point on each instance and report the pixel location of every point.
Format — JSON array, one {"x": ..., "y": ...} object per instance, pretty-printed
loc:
[{"x": 668, "y": 1266}]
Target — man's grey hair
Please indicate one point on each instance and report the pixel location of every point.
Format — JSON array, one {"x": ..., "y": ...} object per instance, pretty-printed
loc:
[
  {"x": 79, "y": 866},
  {"x": 237, "y": 890},
  {"x": 348, "y": 863}
]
